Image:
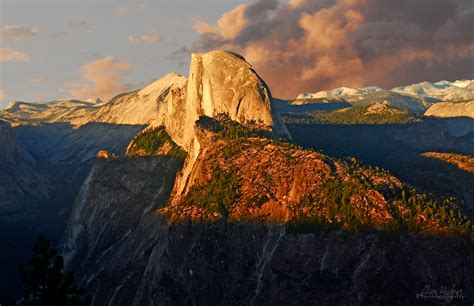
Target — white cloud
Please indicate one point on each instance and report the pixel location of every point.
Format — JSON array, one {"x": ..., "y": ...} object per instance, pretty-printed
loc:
[
  {"x": 12, "y": 33},
  {"x": 7, "y": 54}
]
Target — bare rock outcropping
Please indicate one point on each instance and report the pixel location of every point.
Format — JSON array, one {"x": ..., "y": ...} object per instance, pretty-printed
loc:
[
  {"x": 451, "y": 109},
  {"x": 223, "y": 82}
]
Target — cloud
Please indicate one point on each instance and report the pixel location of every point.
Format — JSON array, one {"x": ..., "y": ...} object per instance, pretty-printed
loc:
[
  {"x": 81, "y": 24},
  {"x": 7, "y": 54},
  {"x": 11, "y": 33},
  {"x": 144, "y": 38},
  {"x": 309, "y": 45},
  {"x": 101, "y": 78},
  {"x": 227, "y": 27},
  {"x": 125, "y": 9}
]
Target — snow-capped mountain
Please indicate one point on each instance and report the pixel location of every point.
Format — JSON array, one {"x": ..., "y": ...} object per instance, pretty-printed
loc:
[
  {"x": 415, "y": 97},
  {"x": 348, "y": 94},
  {"x": 457, "y": 91}
]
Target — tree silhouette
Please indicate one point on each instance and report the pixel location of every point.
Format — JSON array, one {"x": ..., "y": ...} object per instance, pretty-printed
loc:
[{"x": 44, "y": 282}]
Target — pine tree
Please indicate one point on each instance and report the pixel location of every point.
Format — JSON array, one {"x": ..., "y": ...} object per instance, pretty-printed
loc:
[{"x": 45, "y": 284}]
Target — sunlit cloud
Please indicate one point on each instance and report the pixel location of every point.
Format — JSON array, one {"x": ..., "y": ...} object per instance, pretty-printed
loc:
[
  {"x": 311, "y": 45},
  {"x": 11, "y": 33},
  {"x": 7, "y": 54},
  {"x": 101, "y": 78},
  {"x": 228, "y": 26}
]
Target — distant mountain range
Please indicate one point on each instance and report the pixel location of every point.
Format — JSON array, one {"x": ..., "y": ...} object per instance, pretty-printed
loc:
[
  {"x": 460, "y": 90},
  {"x": 457, "y": 91},
  {"x": 416, "y": 97}
]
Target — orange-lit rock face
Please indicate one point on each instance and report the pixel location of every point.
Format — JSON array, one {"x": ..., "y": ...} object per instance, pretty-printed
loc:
[
  {"x": 103, "y": 154},
  {"x": 258, "y": 179},
  {"x": 279, "y": 183}
]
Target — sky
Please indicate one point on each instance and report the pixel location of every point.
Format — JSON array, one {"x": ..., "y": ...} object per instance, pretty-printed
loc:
[{"x": 84, "y": 49}]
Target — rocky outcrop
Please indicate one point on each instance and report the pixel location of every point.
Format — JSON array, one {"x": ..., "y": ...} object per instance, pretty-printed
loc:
[
  {"x": 223, "y": 82},
  {"x": 451, "y": 109},
  {"x": 125, "y": 254},
  {"x": 154, "y": 141},
  {"x": 220, "y": 82},
  {"x": 104, "y": 154}
]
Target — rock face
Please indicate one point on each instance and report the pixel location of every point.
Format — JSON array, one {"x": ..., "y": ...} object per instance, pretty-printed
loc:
[
  {"x": 452, "y": 109},
  {"x": 161, "y": 100},
  {"x": 127, "y": 255},
  {"x": 20, "y": 180},
  {"x": 220, "y": 82},
  {"x": 112, "y": 189},
  {"x": 223, "y": 82}
]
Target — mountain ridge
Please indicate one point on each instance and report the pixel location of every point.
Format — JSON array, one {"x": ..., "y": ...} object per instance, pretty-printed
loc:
[
  {"x": 415, "y": 97},
  {"x": 437, "y": 90}
]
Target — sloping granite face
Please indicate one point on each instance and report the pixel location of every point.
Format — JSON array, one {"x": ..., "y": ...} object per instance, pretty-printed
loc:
[
  {"x": 114, "y": 197},
  {"x": 127, "y": 255},
  {"x": 21, "y": 182},
  {"x": 451, "y": 109},
  {"x": 223, "y": 82}
]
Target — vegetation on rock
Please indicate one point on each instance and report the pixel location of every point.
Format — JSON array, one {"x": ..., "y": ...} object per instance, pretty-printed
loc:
[
  {"x": 154, "y": 141},
  {"x": 463, "y": 162},
  {"x": 371, "y": 114},
  {"x": 259, "y": 179}
]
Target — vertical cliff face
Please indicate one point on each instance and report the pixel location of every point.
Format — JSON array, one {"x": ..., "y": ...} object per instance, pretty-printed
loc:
[
  {"x": 223, "y": 82},
  {"x": 106, "y": 211},
  {"x": 7, "y": 143}
]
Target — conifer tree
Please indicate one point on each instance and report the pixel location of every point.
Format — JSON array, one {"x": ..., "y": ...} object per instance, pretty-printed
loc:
[{"x": 44, "y": 281}]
